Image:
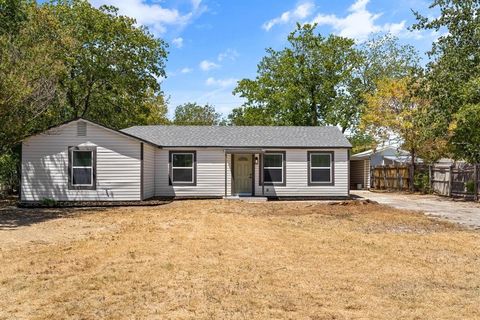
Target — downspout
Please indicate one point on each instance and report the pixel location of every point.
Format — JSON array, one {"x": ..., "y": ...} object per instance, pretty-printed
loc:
[
  {"x": 261, "y": 174},
  {"x": 225, "y": 174}
]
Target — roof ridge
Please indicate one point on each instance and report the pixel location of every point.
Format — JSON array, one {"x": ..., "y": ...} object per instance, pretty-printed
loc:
[{"x": 242, "y": 136}]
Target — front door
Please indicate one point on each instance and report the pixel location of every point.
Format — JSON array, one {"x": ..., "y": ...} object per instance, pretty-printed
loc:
[{"x": 242, "y": 174}]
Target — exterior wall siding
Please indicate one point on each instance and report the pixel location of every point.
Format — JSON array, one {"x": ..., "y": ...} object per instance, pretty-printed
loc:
[
  {"x": 210, "y": 174},
  {"x": 148, "y": 171},
  {"x": 360, "y": 173},
  {"x": 119, "y": 167},
  {"x": 45, "y": 165},
  {"x": 211, "y": 180},
  {"x": 357, "y": 173},
  {"x": 367, "y": 173},
  {"x": 297, "y": 176}
]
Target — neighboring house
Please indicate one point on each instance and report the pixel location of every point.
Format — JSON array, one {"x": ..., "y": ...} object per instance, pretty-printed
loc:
[
  {"x": 361, "y": 163},
  {"x": 81, "y": 160}
]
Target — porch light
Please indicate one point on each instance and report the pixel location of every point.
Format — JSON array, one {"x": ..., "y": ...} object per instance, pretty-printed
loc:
[{"x": 256, "y": 160}]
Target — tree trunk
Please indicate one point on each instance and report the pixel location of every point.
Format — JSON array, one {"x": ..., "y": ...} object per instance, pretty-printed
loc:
[
  {"x": 412, "y": 163},
  {"x": 313, "y": 108}
]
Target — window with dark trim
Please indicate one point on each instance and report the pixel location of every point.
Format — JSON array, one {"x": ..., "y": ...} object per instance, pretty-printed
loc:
[
  {"x": 274, "y": 168},
  {"x": 320, "y": 168},
  {"x": 183, "y": 168},
  {"x": 82, "y": 166}
]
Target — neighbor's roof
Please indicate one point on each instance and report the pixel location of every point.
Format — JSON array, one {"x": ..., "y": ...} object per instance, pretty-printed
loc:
[
  {"x": 403, "y": 159},
  {"x": 240, "y": 136},
  {"x": 368, "y": 153}
]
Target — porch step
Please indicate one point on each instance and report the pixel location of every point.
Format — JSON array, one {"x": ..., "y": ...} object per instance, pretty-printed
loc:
[{"x": 247, "y": 199}]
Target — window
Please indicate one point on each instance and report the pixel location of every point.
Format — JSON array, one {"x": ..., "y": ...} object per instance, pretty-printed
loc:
[
  {"x": 320, "y": 168},
  {"x": 182, "y": 166},
  {"x": 82, "y": 167},
  {"x": 274, "y": 168}
]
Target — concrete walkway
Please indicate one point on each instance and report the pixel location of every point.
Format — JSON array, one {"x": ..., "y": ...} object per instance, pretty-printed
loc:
[{"x": 462, "y": 212}]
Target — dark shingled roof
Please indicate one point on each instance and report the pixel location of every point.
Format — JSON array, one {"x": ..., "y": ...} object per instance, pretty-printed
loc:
[{"x": 240, "y": 136}]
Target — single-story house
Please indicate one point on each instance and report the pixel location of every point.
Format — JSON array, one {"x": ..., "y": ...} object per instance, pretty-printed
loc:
[
  {"x": 361, "y": 163},
  {"x": 84, "y": 161}
]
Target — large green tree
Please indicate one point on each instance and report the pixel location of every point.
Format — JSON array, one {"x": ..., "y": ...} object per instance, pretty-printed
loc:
[
  {"x": 385, "y": 58},
  {"x": 303, "y": 84},
  {"x": 452, "y": 74},
  {"x": 192, "y": 113},
  {"x": 31, "y": 66},
  {"x": 395, "y": 114},
  {"x": 114, "y": 67},
  {"x": 66, "y": 59},
  {"x": 318, "y": 80}
]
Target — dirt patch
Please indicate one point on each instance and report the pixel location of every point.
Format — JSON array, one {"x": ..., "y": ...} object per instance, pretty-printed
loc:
[
  {"x": 20, "y": 227},
  {"x": 236, "y": 260},
  {"x": 462, "y": 212}
]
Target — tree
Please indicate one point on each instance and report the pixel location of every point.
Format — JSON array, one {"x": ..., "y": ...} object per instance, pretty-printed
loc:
[
  {"x": 250, "y": 116},
  {"x": 383, "y": 58},
  {"x": 31, "y": 42},
  {"x": 113, "y": 68},
  {"x": 66, "y": 59},
  {"x": 464, "y": 129},
  {"x": 192, "y": 113},
  {"x": 466, "y": 133},
  {"x": 303, "y": 84},
  {"x": 394, "y": 113},
  {"x": 454, "y": 67},
  {"x": 362, "y": 141}
]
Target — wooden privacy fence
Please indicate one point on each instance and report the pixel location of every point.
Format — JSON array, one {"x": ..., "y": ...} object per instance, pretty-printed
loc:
[
  {"x": 456, "y": 181},
  {"x": 390, "y": 177},
  {"x": 460, "y": 180}
]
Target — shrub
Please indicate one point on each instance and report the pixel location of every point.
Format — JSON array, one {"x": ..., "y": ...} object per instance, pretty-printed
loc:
[
  {"x": 470, "y": 186},
  {"x": 9, "y": 175},
  {"x": 48, "y": 202},
  {"x": 421, "y": 182}
]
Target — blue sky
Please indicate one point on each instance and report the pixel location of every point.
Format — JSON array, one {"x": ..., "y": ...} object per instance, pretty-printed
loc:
[{"x": 213, "y": 44}]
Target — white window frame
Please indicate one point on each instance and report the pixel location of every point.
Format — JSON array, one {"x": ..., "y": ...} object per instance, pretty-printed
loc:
[
  {"x": 192, "y": 167},
  {"x": 281, "y": 167},
  {"x": 77, "y": 167},
  {"x": 330, "y": 167}
]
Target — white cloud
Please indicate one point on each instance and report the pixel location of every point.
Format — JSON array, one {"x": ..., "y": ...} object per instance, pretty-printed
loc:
[
  {"x": 359, "y": 23},
  {"x": 186, "y": 70},
  {"x": 229, "y": 54},
  {"x": 222, "y": 83},
  {"x": 206, "y": 65},
  {"x": 178, "y": 42},
  {"x": 153, "y": 15},
  {"x": 300, "y": 12}
]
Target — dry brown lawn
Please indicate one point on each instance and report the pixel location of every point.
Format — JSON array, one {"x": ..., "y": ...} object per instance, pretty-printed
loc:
[{"x": 235, "y": 260}]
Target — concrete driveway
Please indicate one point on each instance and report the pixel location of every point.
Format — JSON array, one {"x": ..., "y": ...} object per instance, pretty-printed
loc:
[{"x": 465, "y": 213}]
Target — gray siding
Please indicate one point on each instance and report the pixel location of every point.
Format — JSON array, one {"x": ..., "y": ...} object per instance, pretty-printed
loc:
[
  {"x": 45, "y": 165},
  {"x": 297, "y": 176},
  {"x": 211, "y": 181},
  {"x": 210, "y": 174},
  {"x": 366, "y": 170},
  {"x": 357, "y": 173},
  {"x": 360, "y": 173},
  {"x": 148, "y": 171}
]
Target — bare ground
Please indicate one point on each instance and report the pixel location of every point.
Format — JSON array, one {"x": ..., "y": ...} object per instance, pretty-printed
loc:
[
  {"x": 459, "y": 211},
  {"x": 235, "y": 260}
]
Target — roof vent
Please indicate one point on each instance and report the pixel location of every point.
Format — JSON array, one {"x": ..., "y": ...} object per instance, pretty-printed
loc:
[{"x": 81, "y": 129}]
